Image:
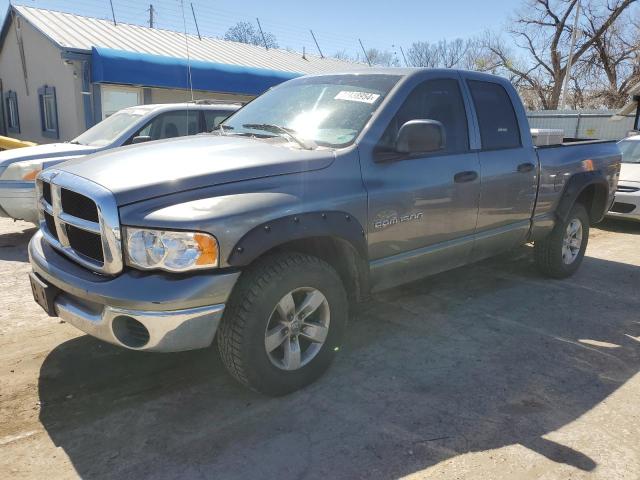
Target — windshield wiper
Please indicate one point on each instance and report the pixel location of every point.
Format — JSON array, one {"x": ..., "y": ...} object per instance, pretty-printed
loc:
[
  {"x": 287, "y": 132},
  {"x": 75, "y": 142},
  {"x": 222, "y": 129}
]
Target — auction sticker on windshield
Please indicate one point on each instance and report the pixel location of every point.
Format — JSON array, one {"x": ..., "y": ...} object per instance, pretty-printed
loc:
[{"x": 352, "y": 96}]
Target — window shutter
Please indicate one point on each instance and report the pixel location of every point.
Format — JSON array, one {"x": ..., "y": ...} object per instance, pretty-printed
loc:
[
  {"x": 54, "y": 130},
  {"x": 11, "y": 98}
]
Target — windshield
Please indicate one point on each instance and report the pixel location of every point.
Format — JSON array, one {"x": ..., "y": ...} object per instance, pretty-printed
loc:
[
  {"x": 630, "y": 151},
  {"x": 107, "y": 130},
  {"x": 328, "y": 110}
]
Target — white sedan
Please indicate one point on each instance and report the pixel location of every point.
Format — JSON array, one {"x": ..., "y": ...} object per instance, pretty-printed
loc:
[
  {"x": 627, "y": 202},
  {"x": 19, "y": 167}
]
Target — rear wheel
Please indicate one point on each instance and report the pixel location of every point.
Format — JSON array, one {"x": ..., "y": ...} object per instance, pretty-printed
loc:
[
  {"x": 560, "y": 254},
  {"x": 284, "y": 323}
]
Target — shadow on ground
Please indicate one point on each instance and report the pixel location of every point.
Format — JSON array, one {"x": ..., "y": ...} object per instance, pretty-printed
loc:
[
  {"x": 475, "y": 359},
  {"x": 619, "y": 226},
  {"x": 13, "y": 245}
]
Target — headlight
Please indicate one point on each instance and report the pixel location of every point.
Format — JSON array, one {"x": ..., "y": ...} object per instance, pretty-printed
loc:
[
  {"x": 23, "y": 171},
  {"x": 171, "y": 251}
]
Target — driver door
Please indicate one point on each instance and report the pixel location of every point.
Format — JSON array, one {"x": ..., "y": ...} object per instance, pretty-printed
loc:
[{"x": 423, "y": 208}]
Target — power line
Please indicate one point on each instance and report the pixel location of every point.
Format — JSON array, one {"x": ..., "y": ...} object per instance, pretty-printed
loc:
[{"x": 206, "y": 21}]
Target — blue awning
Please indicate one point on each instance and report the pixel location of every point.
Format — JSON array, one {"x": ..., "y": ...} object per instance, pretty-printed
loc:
[{"x": 130, "y": 68}]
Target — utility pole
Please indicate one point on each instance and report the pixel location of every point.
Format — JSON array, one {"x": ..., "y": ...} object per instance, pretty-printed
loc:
[
  {"x": 567, "y": 73},
  {"x": 195, "y": 20},
  {"x": 314, "y": 39},
  {"x": 151, "y": 14},
  {"x": 113, "y": 13},
  {"x": 262, "y": 33},
  {"x": 365, "y": 52}
]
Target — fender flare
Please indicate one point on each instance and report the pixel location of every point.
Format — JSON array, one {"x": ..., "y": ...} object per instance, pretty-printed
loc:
[
  {"x": 268, "y": 235},
  {"x": 575, "y": 186}
]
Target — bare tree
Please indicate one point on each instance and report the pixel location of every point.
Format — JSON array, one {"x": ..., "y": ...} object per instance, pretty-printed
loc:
[
  {"x": 478, "y": 57},
  {"x": 543, "y": 29},
  {"x": 452, "y": 53},
  {"x": 382, "y": 58},
  {"x": 470, "y": 54},
  {"x": 245, "y": 32},
  {"x": 424, "y": 54},
  {"x": 612, "y": 65},
  {"x": 343, "y": 55}
]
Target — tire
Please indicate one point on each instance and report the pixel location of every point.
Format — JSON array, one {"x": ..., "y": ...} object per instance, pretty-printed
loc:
[
  {"x": 551, "y": 257},
  {"x": 257, "y": 307}
]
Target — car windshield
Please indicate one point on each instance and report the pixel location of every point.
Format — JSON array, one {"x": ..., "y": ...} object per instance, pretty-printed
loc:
[
  {"x": 108, "y": 130},
  {"x": 630, "y": 151},
  {"x": 328, "y": 110}
]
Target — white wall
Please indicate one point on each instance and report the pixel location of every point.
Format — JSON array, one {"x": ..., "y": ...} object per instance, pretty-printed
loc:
[{"x": 44, "y": 67}]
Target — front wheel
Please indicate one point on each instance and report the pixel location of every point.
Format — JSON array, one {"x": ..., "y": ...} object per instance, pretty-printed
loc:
[
  {"x": 284, "y": 323},
  {"x": 560, "y": 254}
]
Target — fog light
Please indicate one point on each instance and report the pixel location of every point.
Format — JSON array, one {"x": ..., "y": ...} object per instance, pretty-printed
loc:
[{"x": 130, "y": 332}]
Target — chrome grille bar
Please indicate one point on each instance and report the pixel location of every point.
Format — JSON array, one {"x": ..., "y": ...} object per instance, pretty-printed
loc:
[
  {"x": 80, "y": 223},
  {"x": 56, "y": 206},
  {"x": 107, "y": 227}
]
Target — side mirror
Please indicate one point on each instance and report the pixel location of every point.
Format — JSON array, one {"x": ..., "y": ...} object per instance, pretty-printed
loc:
[
  {"x": 420, "y": 136},
  {"x": 141, "y": 139}
]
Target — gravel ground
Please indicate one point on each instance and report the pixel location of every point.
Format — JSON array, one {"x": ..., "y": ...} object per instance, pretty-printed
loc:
[{"x": 488, "y": 371}]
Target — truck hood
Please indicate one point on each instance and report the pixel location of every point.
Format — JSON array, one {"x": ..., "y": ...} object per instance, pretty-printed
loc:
[
  {"x": 630, "y": 172},
  {"x": 140, "y": 172},
  {"x": 52, "y": 151}
]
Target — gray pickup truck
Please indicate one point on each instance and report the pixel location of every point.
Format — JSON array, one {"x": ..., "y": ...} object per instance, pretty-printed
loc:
[{"x": 319, "y": 192}]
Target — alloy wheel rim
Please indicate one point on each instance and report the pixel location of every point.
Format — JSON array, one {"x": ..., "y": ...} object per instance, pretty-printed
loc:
[
  {"x": 572, "y": 241},
  {"x": 297, "y": 328}
]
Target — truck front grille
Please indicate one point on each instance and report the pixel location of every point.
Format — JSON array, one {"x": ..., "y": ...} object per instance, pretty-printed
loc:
[
  {"x": 85, "y": 243},
  {"x": 51, "y": 224},
  {"x": 46, "y": 192},
  {"x": 79, "y": 206},
  {"x": 80, "y": 219}
]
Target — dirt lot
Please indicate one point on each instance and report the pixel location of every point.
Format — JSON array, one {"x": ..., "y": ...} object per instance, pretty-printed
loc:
[{"x": 489, "y": 371}]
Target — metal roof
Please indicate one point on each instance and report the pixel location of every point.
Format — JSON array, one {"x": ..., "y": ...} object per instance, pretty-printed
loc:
[{"x": 74, "y": 32}]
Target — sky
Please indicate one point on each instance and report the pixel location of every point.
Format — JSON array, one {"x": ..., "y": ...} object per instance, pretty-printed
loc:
[{"x": 337, "y": 24}]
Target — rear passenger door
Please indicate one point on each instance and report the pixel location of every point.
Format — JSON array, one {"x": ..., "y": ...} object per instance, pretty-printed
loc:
[{"x": 508, "y": 171}]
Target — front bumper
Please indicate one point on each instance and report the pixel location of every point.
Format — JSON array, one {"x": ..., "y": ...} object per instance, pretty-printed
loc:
[
  {"x": 627, "y": 203},
  {"x": 176, "y": 312},
  {"x": 18, "y": 200}
]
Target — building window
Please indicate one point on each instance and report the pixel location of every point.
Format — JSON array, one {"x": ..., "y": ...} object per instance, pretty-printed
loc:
[
  {"x": 48, "y": 112},
  {"x": 116, "y": 98},
  {"x": 13, "y": 117}
]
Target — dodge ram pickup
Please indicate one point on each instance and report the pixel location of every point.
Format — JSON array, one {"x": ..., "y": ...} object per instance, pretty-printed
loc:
[{"x": 321, "y": 191}]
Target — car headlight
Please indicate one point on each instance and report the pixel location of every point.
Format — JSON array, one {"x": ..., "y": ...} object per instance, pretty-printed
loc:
[
  {"x": 22, "y": 171},
  {"x": 172, "y": 251}
]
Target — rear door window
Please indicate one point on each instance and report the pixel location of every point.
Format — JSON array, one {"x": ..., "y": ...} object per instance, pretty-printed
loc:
[
  {"x": 496, "y": 117},
  {"x": 172, "y": 124}
]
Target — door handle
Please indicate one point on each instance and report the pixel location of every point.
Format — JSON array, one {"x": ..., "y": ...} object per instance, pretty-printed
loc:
[
  {"x": 526, "y": 167},
  {"x": 462, "y": 177}
]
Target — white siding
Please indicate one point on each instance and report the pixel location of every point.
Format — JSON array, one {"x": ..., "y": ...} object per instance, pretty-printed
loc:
[{"x": 44, "y": 67}]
